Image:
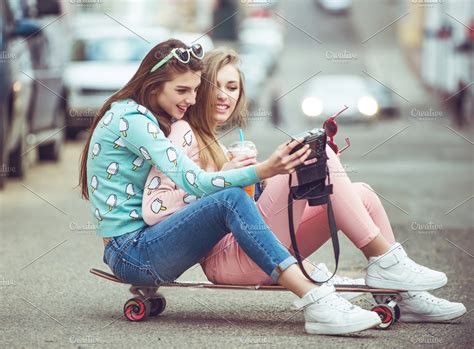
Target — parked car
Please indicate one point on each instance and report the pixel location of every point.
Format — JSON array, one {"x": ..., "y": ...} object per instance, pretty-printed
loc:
[
  {"x": 103, "y": 59},
  {"x": 30, "y": 103},
  {"x": 48, "y": 47},
  {"x": 328, "y": 93},
  {"x": 16, "y": 90}
]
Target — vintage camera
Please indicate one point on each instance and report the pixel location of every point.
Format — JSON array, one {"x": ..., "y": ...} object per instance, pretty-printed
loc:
[{"x": 316, "y": 138}]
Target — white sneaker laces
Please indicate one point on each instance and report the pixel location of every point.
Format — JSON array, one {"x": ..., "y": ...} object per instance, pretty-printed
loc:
[
  {"x": 426, "y": 296},
  {"x": 415, "y": 266},
  {"x": 336, "y": 279},
  {"x": 337, "y": 302},
  {"x": 341, "y": 280}
]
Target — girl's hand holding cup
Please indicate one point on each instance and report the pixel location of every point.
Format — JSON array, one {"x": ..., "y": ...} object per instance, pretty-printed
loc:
[
  {"x": 239, "y": 162},
  {"x": 242, "y": 153}
]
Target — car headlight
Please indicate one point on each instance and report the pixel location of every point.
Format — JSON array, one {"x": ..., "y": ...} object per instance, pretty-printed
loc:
[
  {"x": 312, "y": 106},
  {"x": 367, "y": 105},
  {"x": 17, "y": 86}
]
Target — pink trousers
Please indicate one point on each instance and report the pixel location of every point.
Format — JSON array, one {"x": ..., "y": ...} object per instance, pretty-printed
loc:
[{"x": 357, "y": 210}]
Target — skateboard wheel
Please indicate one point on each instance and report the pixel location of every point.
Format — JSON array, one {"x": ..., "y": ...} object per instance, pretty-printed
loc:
[
  {"x": 387, "y": 315},
  {"x": 137, "y": 309},
  {"x": 158, "y": 304}
]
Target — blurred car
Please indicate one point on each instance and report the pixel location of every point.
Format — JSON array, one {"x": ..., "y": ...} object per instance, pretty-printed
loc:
[
  {"x": 329, "y": 93},
  {"x": 335, "y": 6},
  {"x": 103, "y": 60},
  {"x": 49, "y": 46},
  {"x": 385, "y": 99},
  {"x": 29, "y": 104},
  {"x": 15, "y": 91}
]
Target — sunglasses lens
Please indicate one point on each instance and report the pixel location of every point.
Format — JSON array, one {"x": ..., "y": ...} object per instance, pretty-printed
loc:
[
  {"x": 197, "y": 50},
  {"x": 183, "y": 55}
]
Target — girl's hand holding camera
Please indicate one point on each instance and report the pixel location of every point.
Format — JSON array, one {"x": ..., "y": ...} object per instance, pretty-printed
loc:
[{"x": 281, "y": 161}]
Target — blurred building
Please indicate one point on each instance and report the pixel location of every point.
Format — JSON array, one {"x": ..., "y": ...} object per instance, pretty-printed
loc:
[{"x": 439, "y": 38}]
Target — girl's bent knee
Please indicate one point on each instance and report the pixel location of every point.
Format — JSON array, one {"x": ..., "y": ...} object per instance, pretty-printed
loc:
[
  {"x": 368, "y": 193},
  {"x": 230, "y": 199},
  {"x": 235, "y": 194}
]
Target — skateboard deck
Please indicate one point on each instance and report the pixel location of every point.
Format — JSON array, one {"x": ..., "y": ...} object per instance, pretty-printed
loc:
[
  {"x": 148, "y": 302},
  {"x": 206, "y": 284}
]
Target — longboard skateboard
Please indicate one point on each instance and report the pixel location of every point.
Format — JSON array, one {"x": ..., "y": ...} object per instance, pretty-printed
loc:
[{"x": 148, "y": 302}]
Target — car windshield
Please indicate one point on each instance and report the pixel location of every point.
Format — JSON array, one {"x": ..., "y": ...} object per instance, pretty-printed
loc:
[
  {"x": 338, "y": 86},
  {"x": 110, "y": 49}
]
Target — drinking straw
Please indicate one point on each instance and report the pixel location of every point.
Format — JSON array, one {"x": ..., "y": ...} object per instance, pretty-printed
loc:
[{"x": 241, "y": 134}]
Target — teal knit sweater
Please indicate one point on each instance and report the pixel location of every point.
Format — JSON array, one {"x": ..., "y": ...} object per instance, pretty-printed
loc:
[{"x": 125, "y": 144}]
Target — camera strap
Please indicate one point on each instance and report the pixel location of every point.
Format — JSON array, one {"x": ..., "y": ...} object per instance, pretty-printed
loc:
[{"x": 312, "y": 187}]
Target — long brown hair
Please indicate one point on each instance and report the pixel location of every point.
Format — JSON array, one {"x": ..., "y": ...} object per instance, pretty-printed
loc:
[
  {"x": 140, "y": 88},
  {"x": 201, "y": 115}
]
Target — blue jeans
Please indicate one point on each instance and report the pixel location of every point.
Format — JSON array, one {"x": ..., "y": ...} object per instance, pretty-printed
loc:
[{"x": 160, "y": 253}]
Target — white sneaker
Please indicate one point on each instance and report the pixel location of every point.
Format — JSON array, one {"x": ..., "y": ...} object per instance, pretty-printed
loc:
[
  {"x": 395, "y": 270},
  {"x": 322, "y": 273},
  {"x": 328, "y": 313},
  {"x": 424, "y": 307}
]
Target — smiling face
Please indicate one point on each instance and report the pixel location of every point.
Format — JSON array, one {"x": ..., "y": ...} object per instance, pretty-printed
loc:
[
  {"x": 179, "y": 93},
  {"x": 226, "y": 94}
]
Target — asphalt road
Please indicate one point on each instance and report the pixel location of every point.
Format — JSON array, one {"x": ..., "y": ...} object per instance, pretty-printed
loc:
[{"x": 424, "y": 175}]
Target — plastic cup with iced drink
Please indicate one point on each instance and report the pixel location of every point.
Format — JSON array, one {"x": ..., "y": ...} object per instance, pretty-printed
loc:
[{"x": 244, "y": 148}]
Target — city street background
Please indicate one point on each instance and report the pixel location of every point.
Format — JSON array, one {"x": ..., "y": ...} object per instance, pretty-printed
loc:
[{"x": 419, "y": 162}]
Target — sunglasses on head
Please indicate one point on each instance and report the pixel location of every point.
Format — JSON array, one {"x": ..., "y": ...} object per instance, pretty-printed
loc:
[
  {"x": 181, "y": 54},
  {"x": 330, "y": 126}
]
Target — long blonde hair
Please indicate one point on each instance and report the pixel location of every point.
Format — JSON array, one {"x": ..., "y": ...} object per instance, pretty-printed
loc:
[{"x": 201, "y": 115}]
